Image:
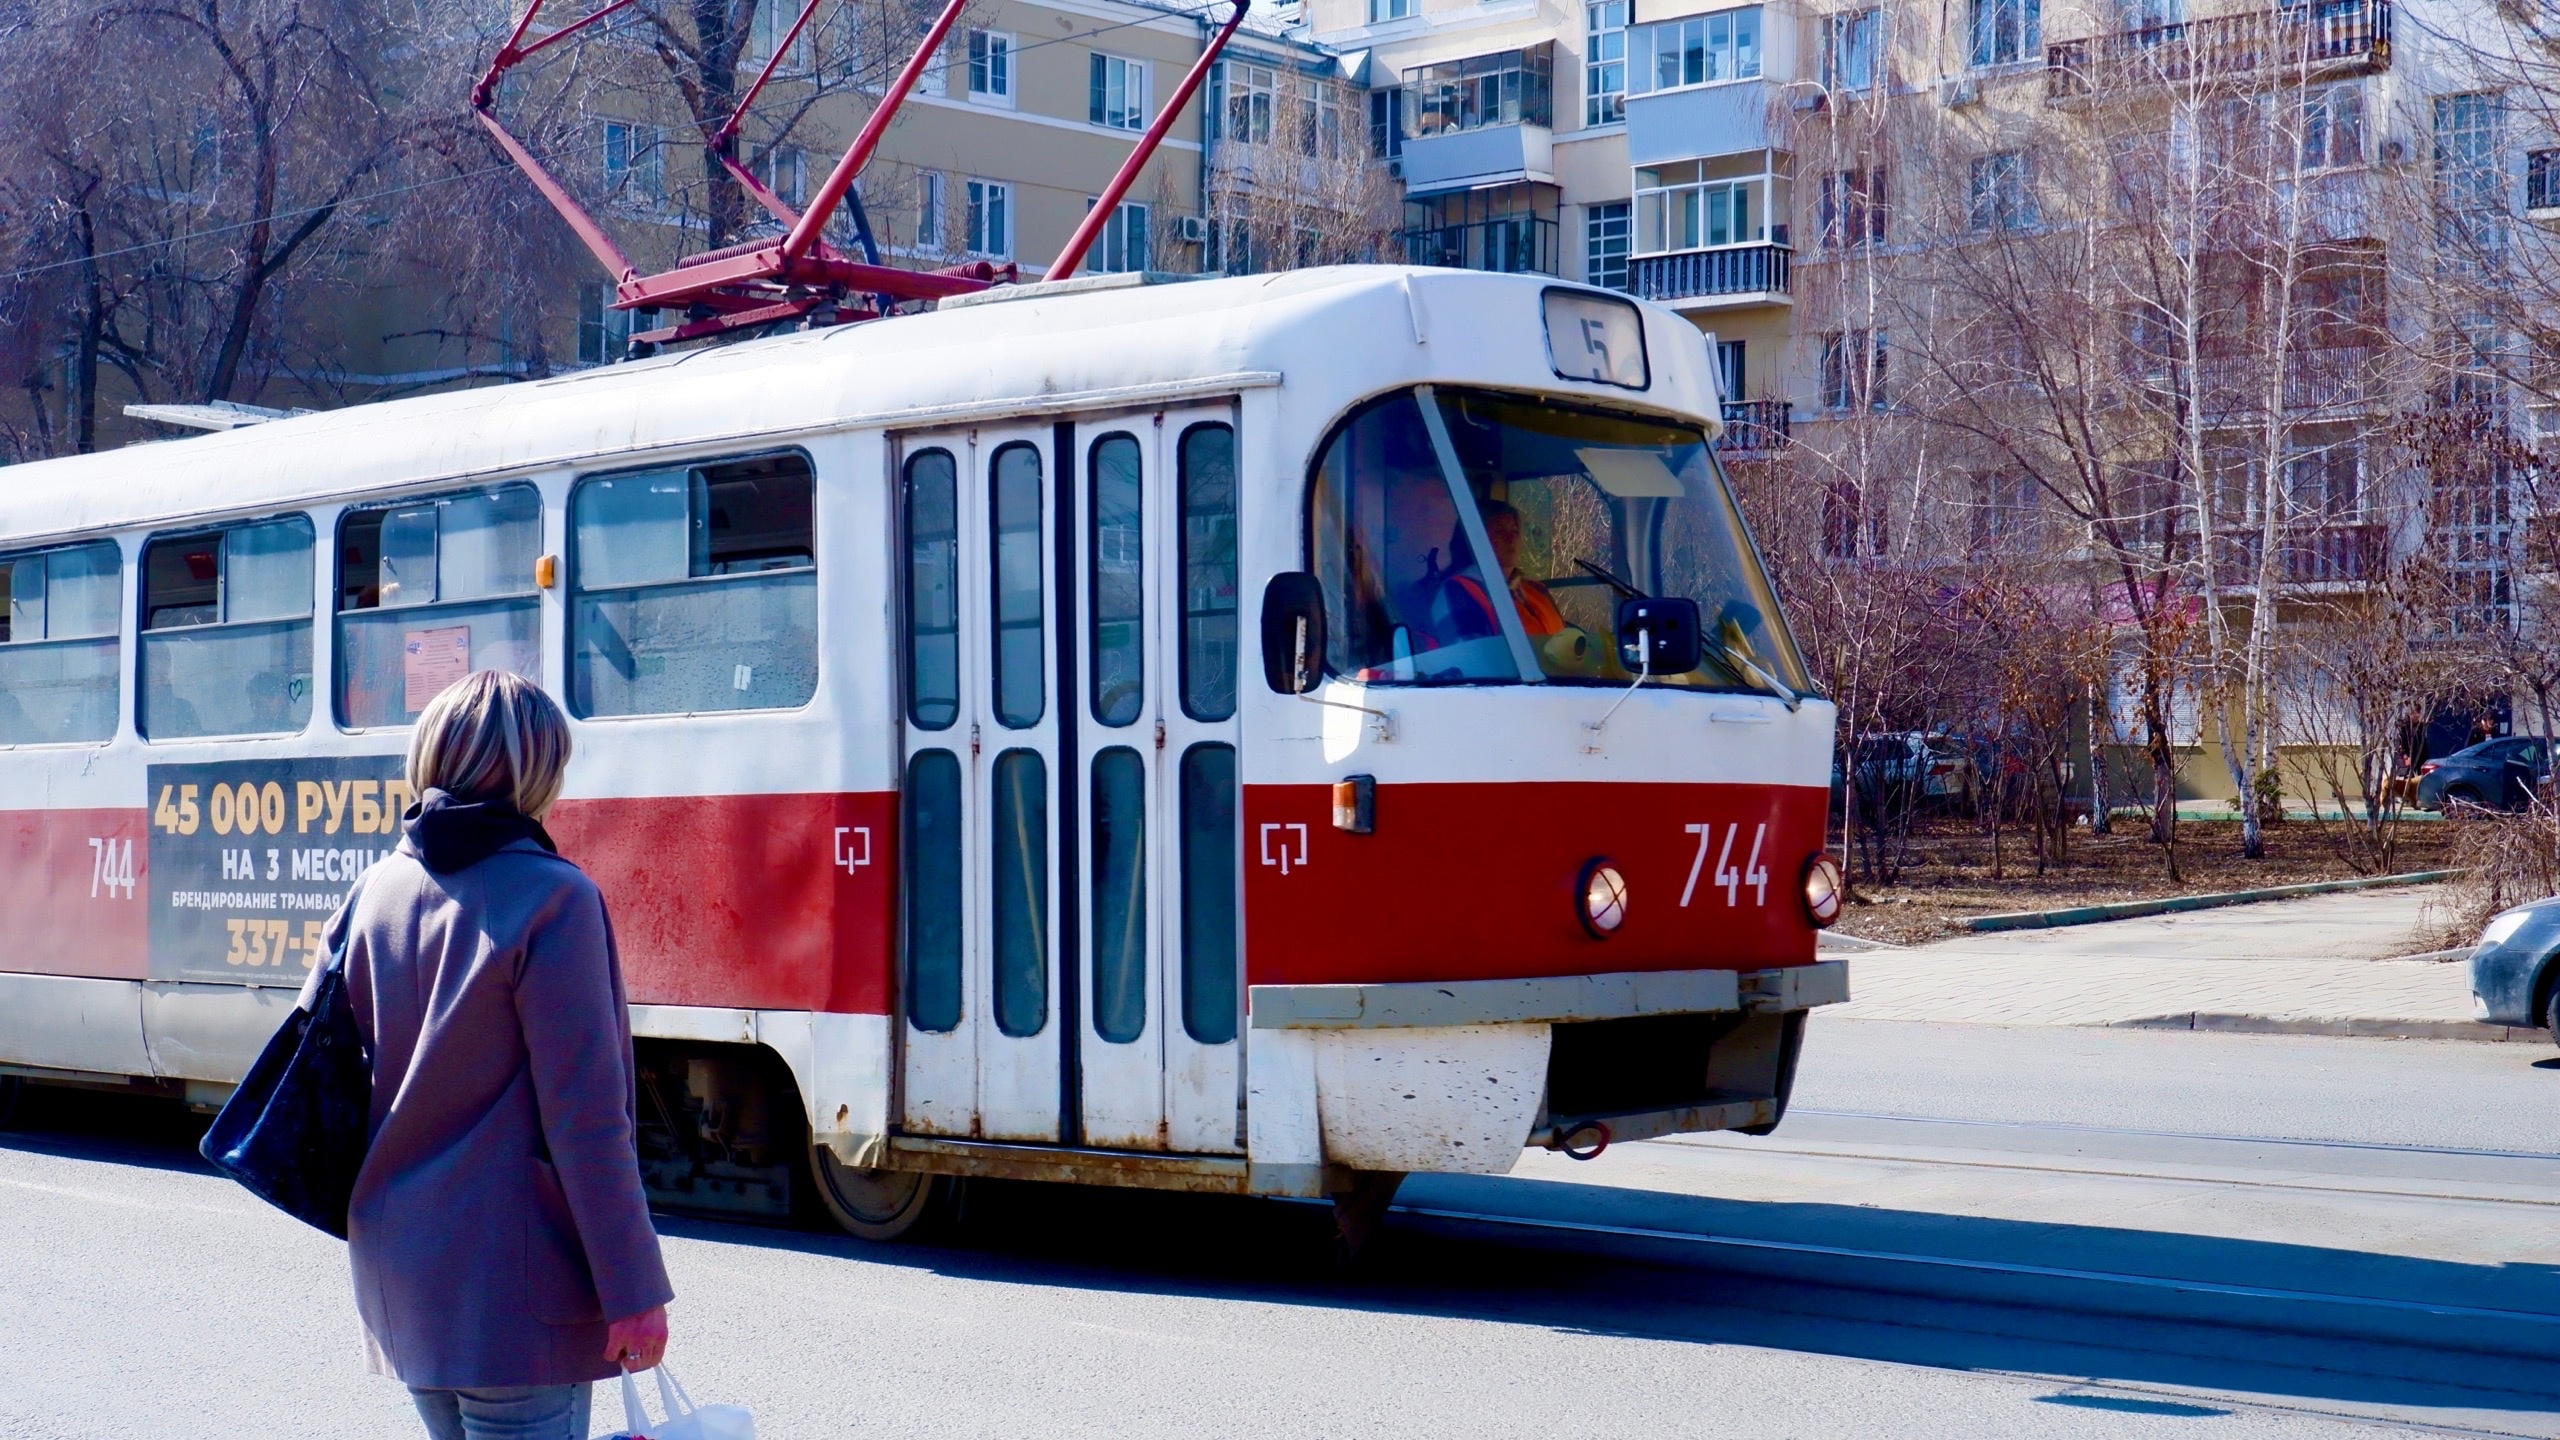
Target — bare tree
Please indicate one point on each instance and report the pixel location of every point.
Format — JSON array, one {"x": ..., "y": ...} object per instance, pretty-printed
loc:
[{"x": 1291, "y": 179}]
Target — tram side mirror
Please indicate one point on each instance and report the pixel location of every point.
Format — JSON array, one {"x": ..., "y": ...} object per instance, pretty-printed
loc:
[
  {"x": 1658, "y": 635},
  {"x": 1293, "y": 633}
]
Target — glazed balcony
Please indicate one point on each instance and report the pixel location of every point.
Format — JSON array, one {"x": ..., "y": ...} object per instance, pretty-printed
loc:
[
  {"x": 2316, "y": 40},
  {"x": 1505, "y": 244}
]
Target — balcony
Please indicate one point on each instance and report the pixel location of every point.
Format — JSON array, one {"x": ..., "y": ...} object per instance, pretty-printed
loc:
[
  {"x": 1487, "y": 155},
  {"x": 1505, "y": 244},
  {"x": 1727, "y": 278},
  {"x": 2342, "y": 554},
  {"x": 1672, "y": 125},
  {"x": 2311, "y": 40},
  {"x": 2337, "y": 381},
  {"x": 1755, "y": 427}
]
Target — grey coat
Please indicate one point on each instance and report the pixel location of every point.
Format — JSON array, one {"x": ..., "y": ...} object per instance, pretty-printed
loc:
[{"x": 498, "y": 1223}]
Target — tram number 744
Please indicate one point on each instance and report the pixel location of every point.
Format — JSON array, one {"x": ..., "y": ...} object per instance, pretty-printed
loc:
[{"x": 1751, "y": 873}]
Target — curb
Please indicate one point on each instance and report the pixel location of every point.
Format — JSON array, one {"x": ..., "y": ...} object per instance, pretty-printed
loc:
[
  {"x": 2175, "y": 904},
  {"x": 2360, "y": 1027}
]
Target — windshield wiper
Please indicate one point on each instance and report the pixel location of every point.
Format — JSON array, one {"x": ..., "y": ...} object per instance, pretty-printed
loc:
[
  {"x": 1738, "y": 657},
  {"x": 1621, "y": 586}
]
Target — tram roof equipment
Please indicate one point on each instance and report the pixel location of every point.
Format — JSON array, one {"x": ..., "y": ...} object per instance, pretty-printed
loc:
[{"x": 798, "y": 277}]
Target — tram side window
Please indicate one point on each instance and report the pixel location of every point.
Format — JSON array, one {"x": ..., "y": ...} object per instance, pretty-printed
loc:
[
  {"x": 1118, "y": 573},
  {"x": 226, "y": 631},
  {"x": 933, "y": 590},
  {"x": 1209, "y": 893},
  {"x": 696, "y": 589},
  {"x": 59, "y": 654},
  {"x": 432, "y": 590},
  {"x": 1209, "y": 572}
]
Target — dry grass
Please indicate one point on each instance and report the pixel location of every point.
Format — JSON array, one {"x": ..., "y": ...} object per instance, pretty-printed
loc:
[
  {"x": 2505, "y": 860},
  {"x": 1950, "y": 879}
]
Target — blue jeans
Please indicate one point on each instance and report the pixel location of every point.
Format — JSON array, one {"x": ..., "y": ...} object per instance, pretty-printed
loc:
[{"x": 506, "y": 1412}]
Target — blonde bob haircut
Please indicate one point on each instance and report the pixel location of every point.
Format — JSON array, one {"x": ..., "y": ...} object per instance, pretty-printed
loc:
[{"x": 491, "y": 736}]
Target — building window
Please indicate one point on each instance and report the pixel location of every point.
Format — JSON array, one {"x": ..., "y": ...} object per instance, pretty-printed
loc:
[
  {"x": 1849, "y": 49},
  {"x": 1729, "y": 370},
  {"x": 784, "y": 170},
  {"x": 2542, "y": 180},
  {"x": 2008, "y": 512},
  {"x": 1242, "y": 97},
  {"x": 991, "y": 67},
  {"x": 1853, "y": 370},
  {"x": 990, "y": 219},
  {"x": 2470, "y": 185},
  {"x": 1514, "y": 87},
  {"x": 1386, "y": 122},
  {"x": 1118, "y": 93},
  {"x": 2322, "y": 473},
  {"x": 2001, "y": 193},
  {"x": 1850, "y": 526},
  {"x": 2006, "y": 31},
  {"x": 1852, "y": 207},
  {"x": 930, "y": 212},
  {"x": 1382, "y": 11},
  {"x": 634, "y": 163},
  {"x": 1697, "y": 215},
  {"x": 1606, "y": 231},
  {"x": 773, "y": 20},
  {"x": 604, "y": 334},
  {"x": 1604, "y": 62},
  {"x": 1122, "y": 246},
  {"x": 2333, "y": 126},
  {"x": 1701, "y": 50}
]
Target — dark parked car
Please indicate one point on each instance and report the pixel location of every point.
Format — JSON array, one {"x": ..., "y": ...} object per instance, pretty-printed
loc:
[
  {"x": 2515, "y": 969},
  {"x": 2500, "y": 774}
]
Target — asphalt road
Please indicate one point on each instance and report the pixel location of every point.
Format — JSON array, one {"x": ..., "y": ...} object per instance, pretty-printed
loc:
[{"x": 1961, "y": 1232}]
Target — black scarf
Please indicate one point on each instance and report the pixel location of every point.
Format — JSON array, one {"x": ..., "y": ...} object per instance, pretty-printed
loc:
[{"x": 453, "y": 835}]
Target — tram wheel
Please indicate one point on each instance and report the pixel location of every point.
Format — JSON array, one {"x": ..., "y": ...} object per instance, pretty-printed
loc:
[{"x": 876, "y": 1204}]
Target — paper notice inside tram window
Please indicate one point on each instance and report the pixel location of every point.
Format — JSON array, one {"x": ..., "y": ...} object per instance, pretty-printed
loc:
[{"x": 430, "y": 660}]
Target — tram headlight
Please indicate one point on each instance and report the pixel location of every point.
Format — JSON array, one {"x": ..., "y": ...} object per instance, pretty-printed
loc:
[
  {"x": 1604, "y": 898},
  {"x": 1823, "y": 890}
]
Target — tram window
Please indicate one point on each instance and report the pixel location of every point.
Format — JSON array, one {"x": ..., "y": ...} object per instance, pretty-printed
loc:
[
  {"x": 431, "y": 590},
  {"x": 1119, "y": 582},
  {"x": 1209, "y": 893},
  {"x": 1119, "y": 895},
  {"x": 1021, "y": 694},
  {"x": 935, "y": 831},
  {"x": 1579, "y": 507},
  {"x": 226, "y": 631},
  {"x": 1209, "y": 572},
  {"x": 933, "y": 590},
  {"x": 1021, "y": 890},
  {"x": 60, "y": 658},
  {"x": 696, "y": 589}
]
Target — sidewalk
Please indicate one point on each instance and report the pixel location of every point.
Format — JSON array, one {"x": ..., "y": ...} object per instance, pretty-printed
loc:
[{"x": 2315, "y": 966}]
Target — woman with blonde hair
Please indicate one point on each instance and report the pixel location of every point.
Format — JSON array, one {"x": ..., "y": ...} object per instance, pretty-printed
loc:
[{"x": 503, "y": 1254}]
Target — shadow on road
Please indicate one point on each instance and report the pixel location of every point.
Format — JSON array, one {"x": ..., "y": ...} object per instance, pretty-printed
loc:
[{"x": 1276, "y": 1252}]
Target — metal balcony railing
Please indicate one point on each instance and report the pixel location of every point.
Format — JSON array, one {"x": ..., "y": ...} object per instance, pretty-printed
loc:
[
  {"x": 2323, "y": 380},
  {"x": 2321, "y": 37},
  {"x": 1507, "y": 244},
  {"x": 1755, "y": 426},
  {"x": 1689, "y": 274},
  {"x": 2307, "y": 555}
]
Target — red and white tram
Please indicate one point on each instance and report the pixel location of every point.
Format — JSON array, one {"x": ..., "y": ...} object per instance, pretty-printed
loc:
[{"x": 1243, "y": 735}]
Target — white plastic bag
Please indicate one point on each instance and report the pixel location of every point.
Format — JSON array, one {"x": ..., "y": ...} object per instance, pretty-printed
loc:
[{"x": 685, "y": 1420}]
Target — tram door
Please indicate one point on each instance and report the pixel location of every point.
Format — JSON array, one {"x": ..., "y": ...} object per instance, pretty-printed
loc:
[{"x": 1071, "y": 963}]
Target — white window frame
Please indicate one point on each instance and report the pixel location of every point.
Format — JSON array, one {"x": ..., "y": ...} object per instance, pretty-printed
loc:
[
  {"x": 991, "y": 55},
  {"x": 989, "y": 221},
  {"x": 2331, "y": 114},
  {"x": 635, "y": 164},
  {"x": 1731, "y": 61},
  {"x": 1250, "y": 86},
  {"x": 1382, "y": 12},
  {"x": 933, "y": 212},
  {"x": 1137, "y": 92},
  {"x": 1110, "y": 255},
  {"x": 1604, "y": 60},
  {"x": 2000, "y": 193},
  {"x": 1852, "y": 35},
  {"x": 784, "y": 170},
  {"x": 1602, "y": 223}
]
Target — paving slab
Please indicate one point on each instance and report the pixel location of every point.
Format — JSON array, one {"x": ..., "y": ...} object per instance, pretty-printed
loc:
[{"x": 2311, "y": 966}]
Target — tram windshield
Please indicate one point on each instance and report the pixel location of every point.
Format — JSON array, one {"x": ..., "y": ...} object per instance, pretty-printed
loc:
[{"x": 1574, "y": 508}]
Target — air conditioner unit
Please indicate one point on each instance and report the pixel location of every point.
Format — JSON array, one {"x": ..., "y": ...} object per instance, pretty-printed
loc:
[
  {"x": 1190, "y": 230},
  {"x": 1395, "y": 167},
  {"x": 1958, "y": 91}
]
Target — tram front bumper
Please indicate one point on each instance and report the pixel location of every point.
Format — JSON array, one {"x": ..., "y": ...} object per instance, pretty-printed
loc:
[{"x": 1461, "y": 1076}]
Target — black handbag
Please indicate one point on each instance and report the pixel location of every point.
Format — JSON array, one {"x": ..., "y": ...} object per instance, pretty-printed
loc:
[{"x": 297, "y": 1129}]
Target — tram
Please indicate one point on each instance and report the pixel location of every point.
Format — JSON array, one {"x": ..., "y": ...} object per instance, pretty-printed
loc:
[{"x": 1259, "y": 735}]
